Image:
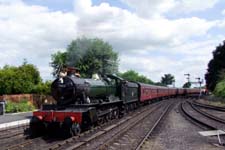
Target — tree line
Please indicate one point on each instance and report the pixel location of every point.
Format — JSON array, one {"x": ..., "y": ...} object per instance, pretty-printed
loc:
[
  {"x": 22, "y": 79},
  {"x": 215, "y": 76},
  {"x": 96, "y": 56},
  {"x": 89, "y": 55}
]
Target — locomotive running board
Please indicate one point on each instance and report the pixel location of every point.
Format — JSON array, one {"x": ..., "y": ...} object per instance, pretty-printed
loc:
[{"x": 213, "y": 133}]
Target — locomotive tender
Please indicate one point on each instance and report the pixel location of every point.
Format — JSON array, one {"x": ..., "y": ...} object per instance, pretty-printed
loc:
[{"x": 82, "y": 103}]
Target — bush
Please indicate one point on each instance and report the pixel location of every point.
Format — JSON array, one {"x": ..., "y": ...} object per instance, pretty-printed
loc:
[
  {"x": 22, "y": 106},
  {"x": 42, "y": 88},
  {"x": 220, "y": 89}
]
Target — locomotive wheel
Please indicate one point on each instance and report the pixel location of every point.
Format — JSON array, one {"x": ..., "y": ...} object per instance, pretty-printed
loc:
[
  {"x": 52, "y": 128},
  {"x": 67, "y": 127},
  {"x": 37, "y": 127},
  {"x": 100, "y": 121},
  {"x": 131, "y": 107},
  {"x": 76, "y": 129},
  {"x": 112, "y": 115},
  {"x": 127, "y": 109},
  {"x": 135, "y": 106},
  {"x": 116, "y": 114},
  {"x": 107, "y": 117}
]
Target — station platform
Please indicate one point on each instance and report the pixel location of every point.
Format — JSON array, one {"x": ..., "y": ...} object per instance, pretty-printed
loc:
[{"x": 14, "y": 119}]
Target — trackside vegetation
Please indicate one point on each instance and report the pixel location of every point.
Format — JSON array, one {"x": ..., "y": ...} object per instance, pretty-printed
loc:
[
  {"x": 131, "y": 75},
  {"x": 22, "y": 79},
  {"x": 216, "y": 68},
  {"x": 215, "y": 76},
  {"x": 22, "y": 106},
  {"x": 220, "y": 89}
]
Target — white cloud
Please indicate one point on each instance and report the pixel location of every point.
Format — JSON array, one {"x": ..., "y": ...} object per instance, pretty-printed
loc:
[
  {"x": 195, "y": 5},
  {"x": 223, "y": 12},
  {"x": 127, "y": 31},
  {"x": 33, "y": 32},
  {"x": 150, "y": 8},
  {"x": 155, "y": 8},
  {"x": 152, "y": 45},
  {"x": 190, "y": 57}
]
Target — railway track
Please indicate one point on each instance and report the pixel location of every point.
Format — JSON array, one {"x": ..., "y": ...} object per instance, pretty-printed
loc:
[
  {"x": 41, "y": 143},
  {"x": 217, "y": 108},
  {"x": 13, "y": 129},
  {"x": 132, "y": 136},
  {"x": 205, "y": 113},
  {"x": 12, "y": 134},
  {"x": 49, "y": 143},
  {"x": 113, "y": 136},
  {"x": 154, "y": 126},
  {"x": 95, "y": 137},
  {"x": 201, "y": 118}
]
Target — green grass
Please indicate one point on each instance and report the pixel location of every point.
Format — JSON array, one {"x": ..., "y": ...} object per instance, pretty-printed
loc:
[{"x": 22, "y": 106}]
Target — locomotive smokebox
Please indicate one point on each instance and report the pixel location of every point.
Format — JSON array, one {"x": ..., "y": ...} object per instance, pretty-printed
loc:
[{"x": 69, "y": 90}]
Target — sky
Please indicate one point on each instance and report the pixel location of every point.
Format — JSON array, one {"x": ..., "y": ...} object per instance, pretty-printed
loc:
[{"x": 152, "y": 37}]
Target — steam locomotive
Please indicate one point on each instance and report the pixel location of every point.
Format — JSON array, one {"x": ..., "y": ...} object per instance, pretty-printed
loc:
[{"x": 82, "y": 103}]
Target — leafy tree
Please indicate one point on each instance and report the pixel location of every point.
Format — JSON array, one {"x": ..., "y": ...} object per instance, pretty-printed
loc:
[
  {"x": 58, "y": 61},
  {"x": 16, "y": 80},
  {"x": 220, "y": 86},
  {"x": 89, "y": 55},
  {"x": 159, "y": 84},
  {"x": 131, "y": 75},
  {"x": 220, "y": 89},
  {"x": 187, "y": 85},
  {"x": 215, "y": 66},
  {"x": 167, "y": 79},
  {"x": 42, "y": 88}
]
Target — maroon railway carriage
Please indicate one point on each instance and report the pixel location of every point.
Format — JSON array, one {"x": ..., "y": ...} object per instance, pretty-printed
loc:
[
  {"x": 193, "y": 91},
  {"x": 150, "y": 92},
  {"x": 147, "y": 92},
  {"x": 181, "y": 91},
  {"x": 172, "y": 91}
]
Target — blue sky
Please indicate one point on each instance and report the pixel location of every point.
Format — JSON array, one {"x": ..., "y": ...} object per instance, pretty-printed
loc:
[
  {"x": 67, "y": 5},
  {"x": 152, "y": 37}
]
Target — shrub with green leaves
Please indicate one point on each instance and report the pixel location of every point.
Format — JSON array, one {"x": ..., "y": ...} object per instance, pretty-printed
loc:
[
  {"x": 220, "y": 89},
  {"x": 22, "y": 106}
]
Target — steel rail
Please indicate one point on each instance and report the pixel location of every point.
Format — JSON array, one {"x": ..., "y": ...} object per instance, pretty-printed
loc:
[
  {"x": 79, "y": 143},
  {"x": 154, "y": 126},
  {"x": 20, "y": 145},
  {"x": 124, "y": 130},
  {"x": 209, "y": 106},
  {"x": 194, "y": 120},
  {"x": 10, "y": 135},
  {"x": 207, "y": 114}
]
